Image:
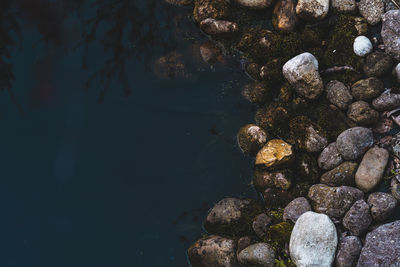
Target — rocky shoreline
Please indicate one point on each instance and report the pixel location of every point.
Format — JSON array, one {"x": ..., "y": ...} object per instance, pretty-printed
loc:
[{"x": 326, "y": 78}]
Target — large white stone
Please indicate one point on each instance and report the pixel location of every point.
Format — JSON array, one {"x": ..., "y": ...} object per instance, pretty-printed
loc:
[
  {"x": 362, "y": 46},
  {"x": 313, "y": 241}
]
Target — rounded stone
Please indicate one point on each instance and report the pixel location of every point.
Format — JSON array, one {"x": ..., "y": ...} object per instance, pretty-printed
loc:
[
  {"x": 371, "y": 10},
  {"x": 362, "y": 113},
  {"x": 307, "y": 135},
  {"x": 296, "y": 208},
  {"x": 312, "y": 10},
  {"x": 348, "y": 251},
  {"x": 391, "y": 33},
  {"x": 338, "y": 94},
  {"x": 377, "y": 64},
  {"x": 255, "y": 4},
  {"x": 251, "y": 138},
  {"x": 258, "y": 254},
  {"x": 367, "y": 89},
  {"x": 358, "y": 218},
  {"x": 341, "y": 175},
  {"x": 313, "y": 240},
  {"x": 260, "y": 224},
  {"x": 362, "y": 46},
  {"x": 218, "y": 28},
  {"x": 278, "y": 179},
  {"x": 371, "y": 169},
  {"x": 344, "y": 6},
  {"x": 329, "y": 157},
  {"x": 386, "y": 101},
  {"x": 382, "y": 205},
  {"x": 256, "y": 92},
  {"x": 274, "y": 153},
  {"x": 215, "y": 9},
  {"x": 352, "y": 143}
]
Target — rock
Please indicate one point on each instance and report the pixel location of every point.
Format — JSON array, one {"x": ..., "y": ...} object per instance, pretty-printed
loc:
[
  {"x": 386, "y": 101},
  {"x": 218, "y": 28},
  {"x": 210, "y": 53},
  {"x": 367, "y": 89},
  {"x": 255, "y": 4},
  {"x": 260, "y": 224},
  {"x": 395, "y": 188},
  {"x": 312, "y": 10},
  {"x": 389, "y": 5},
  {"x": 215, "y": 9},
  {"x": 348, "y": 251},
  {"x": 382, "y": 246},
  {"x": 296, "y": 208},
  {"x": 313, "y": 241},
  {"x": 338, "y": 94},
  {"x": 371, "y": 169},
  {"x": 307, "y": 167},
  {"x": 333, "y": 201},
  {"x": 244, "y": 242},
  {"x": 276, "y": 198},
  {"x": 230, "y": 216},
  {"x": 344, "y": 6},
  {"x": 307, "y": 135},
  {"x": 279, "y": 179},
  {"x": 396, "y": 72},
  {"x": 358, "y": 218},
  {"x": 273, "y": 116},
  {"x": 353, "y": 142},
  {"x": 377, "y": 64},
  {"x": 361, "y": 25},
  {"x": 253, "y": 70},
  {"x": 362, "y": 46},
  {"x": 341, "y": 175},
  {"x": 259, "y": 255},
  {"x": 382, "y": 205},
  {"x": 391, "y": 33},
  {"x": 213, "y": 251},
  {"x": 256, "y": 92},
  {"x": 329, "y": 157},
  {"x": 362, "y": 113},
  {"x": 302, "y": 72},
  {"x": 251, "y": 138},
  {"x": 371, "y": 10},
  {"x": 284, "y": 15},
  {"x": 274, "y": 153}
]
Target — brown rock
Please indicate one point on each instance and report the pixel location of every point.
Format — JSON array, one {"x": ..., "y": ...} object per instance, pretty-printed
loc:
[
  {"x": 275, "y": 153},
  {"x": 284, "y": 15}
]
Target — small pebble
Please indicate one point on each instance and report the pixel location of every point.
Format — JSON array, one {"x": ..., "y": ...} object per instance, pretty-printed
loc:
[{"x": 362, "y": 46}]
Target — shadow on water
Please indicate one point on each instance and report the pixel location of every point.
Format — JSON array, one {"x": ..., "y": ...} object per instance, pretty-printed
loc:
[{"x": 126, "y": 182}]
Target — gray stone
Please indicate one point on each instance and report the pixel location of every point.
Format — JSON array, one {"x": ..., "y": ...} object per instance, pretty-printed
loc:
[
  {"x": 213, "y": 251},
  {"x": 352, "y": 143},
  {"x": 296, "y": 208},
  {"x": 302, "y": 72},
  {"x": 338, "y": 94},
  {"x": 258, "y": 255},
  {"x": 362, "y": 113},
  {"x": 395, "y": 188},
  {"x": 386, "y": 101},
  {"x": 312, "y": 10},
  {"x": 341, "y": 175},
  {"x": 329, "y": 157},
  {"x": 313, "y": 241},
  {"x": 377, "y": 64},
  {"x": 260, "y": 224},
  {"x": 344, "y": 6},
  {"x": 358, "y": 218},
  {"x": 382, "y": 205},
  {"x": 382, "y": 246},
  {"x": 244, "y": 242},
  {"x": 371, "y": 10},
  {"x": 362, "y": 46},
  {"x": 333, "y": 201},
  {"x": 348, "y": 251},
  {"x": 371, "y": 169},
  {"x": 391, "y": 33},
  {"x": 367, "y": 89}
]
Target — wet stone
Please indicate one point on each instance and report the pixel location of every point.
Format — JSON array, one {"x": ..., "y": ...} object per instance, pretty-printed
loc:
[
  {"x": 260, "y": 224},
  {"x": 255, "y": 4},
  {"x": 348, "y": 251},
  {"x": 371, "y": 10},
  {"x": 382, "y": 205},
  {"x": 391, "y": 33},
  {"x": 367, "y": 89},
  {"x": 358, "y": 218},
  {"x": 312, "y": 10},
  {"x": 377, "y": 64},
  {"x": 395, "y": 188},
  {"x": 354, "y": 142},
  {"x": 275, "y": 153},
  {"x": 362, "y": 46},
  {"x": 218, "y": 28},
  {"x": 307, "y": 135},
  {"x": 386, "y": 101},
  {"x": 341, "y": 175},
  {"x": 344, "y": 6},
  {"x": 329, "y": 157},
  {"x": 296, "y": 208},
  {"x": 362, "y": 113},
  {"x": 338, "y": 94},
  {"x": 258, "y": 254},
  {"x": 215, "y": 9},
  {"x": 251, "y": 138},
  {"x": 284, "y": 15},
  {"x": 244, "y": 242},
  {"x": 279, "y": 179},
  {"x": 210, "y": 53},
  {"x": 256, "y": 92}
]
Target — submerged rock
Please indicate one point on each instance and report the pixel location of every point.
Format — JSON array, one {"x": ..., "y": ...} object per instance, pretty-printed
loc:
[
  {"x": 358, "y": 218},
  {"x": 353, "y": 142},
  {"x": 210, "y": 53},
  {"x": 362, "y": 46},
  {"x": 341, "y": 175},
  {"x": 276, "y": 198},
  {"x": 302, "y": 72},
  {"x": 260, "y": 224},
  {"x": 259, "y": 255},
  {"x": 382, "y": 205},
  {"x": 382, "y": 246},
  {"x": 307, "y": 135},
  {"x": 386, "y": 101},
  {"x": 371, "y": 169},
  {"x": 284, "y": 15},
  {"x": 348, "y": 251},
  {"x": 377, "y": 64},
  {"x": 215, "y": 9},
  {"x": 274, "y": 154},
  {"x": 255, "y": 4},
  {"x": 391, "y": 33},
  {"x": 338, "y": 94},
  {"x": 213, "y": 251},
  {"x": 251, "y": 138},
  {"x": 371, "y": 10},
  {"x": 312, "y": 10},
  {"x": 333, "y": 201},
  {"x": 257, "y": 92},
  {"x": 329, "y": 157},
  {"x": 362, "y": 113},
  {"x": 296, "y": 208},
  {"x": 344, "y": 6},
  {"x": 278, "y": 179},
  {"x": 218, "y": 28},
  {"x": 367, "y": 89},
  {"x": 313, "y": 241}
]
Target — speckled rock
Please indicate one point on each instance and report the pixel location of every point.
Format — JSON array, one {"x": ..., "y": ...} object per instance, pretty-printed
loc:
[
  {"x": 371, "y": 10},
  {"x": 255, "y": 4},
  {"x": 329, "y": 157},
  {"x": 279, "y": 179},
  {"x": 396, "y": 72},
  {"x": 395, "y": 188},
  {"x": 386, "y": 101},
  {"x": 362, "y": 113},
  {"x": 333, "y": 201},
  {"x": 302, "y": 72},
  {"x": 284, "y": 15},
  {"x": 312, "y": 10},
  {"x": 371, "y": 169},
  {"x": 377, "y": 64},
  {"x": 307, "y": 135},
  {"x": 258, "y": 255},
  {"x": 353, "y": 142},
  {"x": 260, "y": 224},
  {"x": 382, "y": 205},
  {"x": 313, "y": 241},
  {"x": 213, "y": 251},
  {"x": 338, "y": 94},
  {"x": 251, "y": 138},
  {"x": 218, "y": 28},
  {"x": 362, "y": 46},
  {"x": 348, "y": 251},
  {"x": 382, "y": 246},
  {"x": 391, "y": 33},
  {"x": 358, "y": 218},
  {"x": 367, "y": 89},
  {"x": 341, "y": 175},
  {"x": 296, "y": 208},
  {"x": 344, "y": 6},
  {"x": 274, "y": 153},
  {"x": 276, "y": 198}
]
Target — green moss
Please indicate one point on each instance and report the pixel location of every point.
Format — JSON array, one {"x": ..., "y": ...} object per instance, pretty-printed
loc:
[
  {"x": 273, "y": 118},
  {"x": 277, "y": 214},
  {"x": 278, "y": 236}
]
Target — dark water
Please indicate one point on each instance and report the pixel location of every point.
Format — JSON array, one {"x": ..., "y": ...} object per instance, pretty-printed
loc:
[{"x": 124, "y": 182}]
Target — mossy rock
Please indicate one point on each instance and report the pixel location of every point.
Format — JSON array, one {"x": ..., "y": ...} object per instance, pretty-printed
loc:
[
  {"x": 258, "y": 92},
  {"x": 274, "y": 118},
  {"x": 278, "y": 236},
  {"x": 307, "y": 167},
  {"x": 216, "y": 9},
  {"x": 302, "y": 136}
]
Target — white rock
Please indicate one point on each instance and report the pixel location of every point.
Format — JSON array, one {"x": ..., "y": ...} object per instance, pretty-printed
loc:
[
  {"x": 362, "y": 46},
  {"x": 313, "y": 241},
  {"x": 255, "y": 4},
  {"x": 312, "y": 10},
  {"x": 397, "y": 72}
]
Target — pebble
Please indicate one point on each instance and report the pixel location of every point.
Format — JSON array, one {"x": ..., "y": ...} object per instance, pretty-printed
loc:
[
  {"x": 341, "y": 175},
  {"x": 354, "y": 142},
  {"x": 348, "y": 251},
  {"x": 344, "y": 6},
  {"x": 258, "y": 254},
  {"x": 367, "y": 89},
  {"x": 251, "y": 138},
  {"x": 362, "y": 46},
  {"x": 296, "y": 208},
  {"x": 284, "y": 16},
  {"x": 218, "y": 28},
  {"x": 274, "y": 153},
  {"x": 307, "y": 135},
  {"x": 329, "y": 157},
  {"x": 278, "y": 179},
  {"x": 358, "y": 218},
  {"x": 371, "y": 10},
  {"x": 338, "y": 94},
  {"x": 377, "y": 64},
  {"x": 362, "y": 113},
  {"x": 312, "y": 10},
  {"x": 260, "y": 224},
  {"x": 313, "y": 241},
  {"x": 382, "y": 205},
  {"x": 391, "y": 33},
  {"x": 386, "y": 101},
  {"x": 255, "y": 4},
  {"x": 215, "y": 9}
]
